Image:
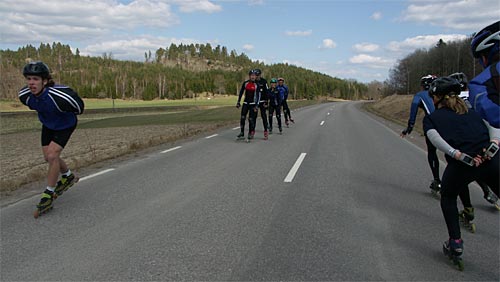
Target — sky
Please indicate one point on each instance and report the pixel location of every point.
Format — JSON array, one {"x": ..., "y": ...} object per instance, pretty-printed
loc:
[{"x": 357, "y": 39}]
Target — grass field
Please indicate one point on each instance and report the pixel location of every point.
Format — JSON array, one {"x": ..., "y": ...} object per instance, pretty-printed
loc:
[
  {"x": 103, "y": 134},
  {"x": 219, "y": 100}
]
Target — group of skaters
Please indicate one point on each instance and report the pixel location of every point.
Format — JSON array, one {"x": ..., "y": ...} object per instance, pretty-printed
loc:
[
  {"x": 462, "y": 120},
  {"x": 258, "y": 96}
]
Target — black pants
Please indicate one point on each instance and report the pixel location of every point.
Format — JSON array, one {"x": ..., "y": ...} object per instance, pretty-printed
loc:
[
  {"x": 432, "y": 158},
  {"x": 263, "y": 115},
  {"x": 456, "y": 178},
  {"x": 252, "y": 116},
  {"x": 286, "y": 111},
  {"x": 272, "y": 109}
]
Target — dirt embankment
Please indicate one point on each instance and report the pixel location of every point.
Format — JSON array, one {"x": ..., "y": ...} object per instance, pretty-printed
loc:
[
  {"x": 21, "y": 159},
  {"x": 396, "y": 108}
]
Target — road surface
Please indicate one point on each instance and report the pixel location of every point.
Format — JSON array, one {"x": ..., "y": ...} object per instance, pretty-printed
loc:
[{"x": 338, "y": 196}]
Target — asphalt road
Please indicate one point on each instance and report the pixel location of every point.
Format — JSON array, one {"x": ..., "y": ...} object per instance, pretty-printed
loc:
[{"x": 358, "y": 208}]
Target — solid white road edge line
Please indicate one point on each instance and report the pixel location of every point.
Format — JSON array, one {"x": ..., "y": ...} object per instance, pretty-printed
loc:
[
  {"x": 295, "y": 168},
  {"x": 211, "y": 136},
  {"x": 170, "y": 150},
  {"x": 96, "y": 174},
  {"x": 323, "y": 122}
]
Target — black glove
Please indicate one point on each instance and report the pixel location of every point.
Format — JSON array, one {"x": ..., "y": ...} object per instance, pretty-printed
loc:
[
  {"x": 407, "y": 130},
  {"x": 238, "y": 105}
]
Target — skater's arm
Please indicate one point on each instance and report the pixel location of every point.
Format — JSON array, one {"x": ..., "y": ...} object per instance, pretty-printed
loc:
[
  {"x": 440, "y": 143},
  {"x": 242, "y": 90},
  {"x": 24, "y": 95},
  {"x": 493, "y": 131}
]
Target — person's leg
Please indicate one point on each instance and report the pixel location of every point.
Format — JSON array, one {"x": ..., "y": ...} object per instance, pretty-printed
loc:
[
  {"x": 263, "y": 115},
  {"x": 278, "y": 117},
  {"x": 271, "y": 112},
  {"x": 489, "y": 174},
  {"x": 432, "y": 158},
  {"x": 455, "y": 179},
  {"x": 52, "y": 154},
  {"x": 252, "y": 118},
  {"x": 244, "y": 111},
  {"x": 285, "y": 111}
]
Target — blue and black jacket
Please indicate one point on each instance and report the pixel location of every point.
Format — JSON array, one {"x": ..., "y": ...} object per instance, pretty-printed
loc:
[
  {"x": 57, "y": 106},
  {"x": 420, "y": 100},
  {"x": 484, "y": 95},
  {"x": 274, "y": 97},
  {"x": 283, "y": 89},
  {"x": 263, "y": 90}
]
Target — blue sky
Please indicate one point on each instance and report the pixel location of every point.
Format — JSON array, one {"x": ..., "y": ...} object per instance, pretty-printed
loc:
[{"x": 359, "y": 39}]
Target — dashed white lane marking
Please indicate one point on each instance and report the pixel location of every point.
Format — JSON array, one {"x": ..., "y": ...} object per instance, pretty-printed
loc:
[
  {"x": 323, "y": 122},
  {"x": 295, "y": 168},
  {"x": 211, "y": 136},
  {"x": 171, "y": 149},
  {"x": 236, "y": 128},
  {"x": 96, "y": 174}
]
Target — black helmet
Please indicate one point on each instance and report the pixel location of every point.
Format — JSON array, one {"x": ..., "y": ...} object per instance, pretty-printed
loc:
[
  {"x": 258, "y": 71},
  {"x": 36, "y": 68},
  {"x": 426, "y": 81},
  {"x": 444, "y": 86},
  {"x": 252, "y": 72},
  {"x": 462, "y": 79},
  {"x": 486, "y": 42}
]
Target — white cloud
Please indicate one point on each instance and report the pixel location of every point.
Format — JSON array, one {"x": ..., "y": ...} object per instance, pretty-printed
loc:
[
  {"x": 371, "y": 61},
  {"x": 294, "y": 63},
  {"x": 133, "y": 48},
  {"x": 255, "y": 2},
  {"x": 422, "y": 42},
  {"x": 328, "y": 44},
  {"x": 248, "y": 47},
  {"x": 93, "y": 20},
  {"x": 376, "y": 16},
  {"x": 299, "y": 32},
  {"x": 365, "y": 47},
  {"x": 462, "y": 14},
  {"x": 189, "y": 6}
]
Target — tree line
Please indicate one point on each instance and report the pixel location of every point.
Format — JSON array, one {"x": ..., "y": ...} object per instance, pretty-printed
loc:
[
  {"x": 174, "y": 72},
  {"x": 442, "y": 59}
]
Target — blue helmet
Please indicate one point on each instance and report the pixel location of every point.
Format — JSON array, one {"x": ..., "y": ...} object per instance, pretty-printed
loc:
[{"x": 486, "y": 42}]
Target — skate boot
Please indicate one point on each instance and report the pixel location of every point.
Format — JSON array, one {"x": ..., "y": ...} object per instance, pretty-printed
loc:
[
  {"x": 270, "y": 131},
  {"x": 436, "y": 188},
  {"x": 453, "y": 249},
  {"x": 241, "y": 136},
  {"x": 251, "y": 134},
  {"x": 492, "y": 199},
  {"x": 466, "y": 217},
  {"x": 286, "y": 123},
  {"x": 292, "y": 120},
  {"x": 45, "y": 203},
  {"x": 281, "y": 130},
  {"x": 64, "y": 184},
  {"x": 266, "y": 135}
]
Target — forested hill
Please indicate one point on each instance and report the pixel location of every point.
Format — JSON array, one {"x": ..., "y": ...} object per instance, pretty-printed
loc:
[{"x": 175, "y": 72}]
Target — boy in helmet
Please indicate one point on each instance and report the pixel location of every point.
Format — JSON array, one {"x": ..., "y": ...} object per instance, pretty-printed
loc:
[
  {"x": 484, "y": 89},
  {"x": 274, "y": 105},
  {"x": 57, "y": 107},
  {"x": 284, "y": 97},
  {"x": 463, "y": 136},
  {"x": 423, "y": 100},
  {"x": 250, "y": 104}
]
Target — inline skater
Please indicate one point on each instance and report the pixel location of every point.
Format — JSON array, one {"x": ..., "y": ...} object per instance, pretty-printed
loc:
[
  {"x": 263, "y": 102},
  {"x": 484, "y": 88},
  {"x": 464, "y": 94},
  {"x": 284, "y": 97},
  {"x": 250, "y": 104},
  {"x": 424, "y": 101},
  {"x": 274, "y": 105},
  {"x": 57, "y": 107},
  {"x": 469, "y": 145}
]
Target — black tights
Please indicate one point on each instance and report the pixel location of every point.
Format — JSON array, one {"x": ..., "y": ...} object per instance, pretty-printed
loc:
[
  {"x": 278, "y": 116},
  {"x": 252, "y": 116}
]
